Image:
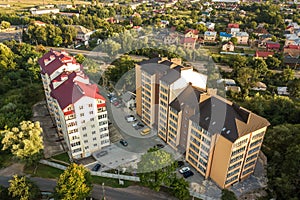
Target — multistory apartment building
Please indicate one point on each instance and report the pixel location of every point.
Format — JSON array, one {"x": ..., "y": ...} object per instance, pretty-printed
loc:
[
  {"x": 76, "y": 105},
  {"x": 220, "y": 139}
]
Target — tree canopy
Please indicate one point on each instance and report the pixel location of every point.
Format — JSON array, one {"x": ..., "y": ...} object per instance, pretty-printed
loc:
[
  {"x": 156, "y": 168},
  {"x": 25, "y": 142},
  {"x": 74, "y": 183},
  {"x": 22, "y": 188}
]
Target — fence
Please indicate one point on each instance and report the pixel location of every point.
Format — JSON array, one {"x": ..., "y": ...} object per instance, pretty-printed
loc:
[{"x": 102, "y": 174}]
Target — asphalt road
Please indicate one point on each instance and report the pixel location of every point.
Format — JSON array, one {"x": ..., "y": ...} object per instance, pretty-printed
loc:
[{"x": 130, "y": 193}]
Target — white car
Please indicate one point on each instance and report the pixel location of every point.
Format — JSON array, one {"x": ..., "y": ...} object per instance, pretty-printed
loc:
[{"x": 184, "y": 169}]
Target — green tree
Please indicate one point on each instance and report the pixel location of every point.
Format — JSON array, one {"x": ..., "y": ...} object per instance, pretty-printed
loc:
[
  {"x": 137, "y": 21},
  {"x": 228, "y": 195},
  {"x": 273, "y": 62},
  {"x": 294, "y": 88},
  {"x": 246, "y": 77},
  {"x": 180, "y": 189},
  {"x": 287, "y": 75},
  {"x": 6, "y": 58},
  {"x": 80, "y": 58},
  {"x": 111, "y": 47},
  {"x": 22, "y": 188},
  {"x": 25, "y": 142},
  {"x": 5, "y": 24},
  {"x": 157, "y": 168},
  {"x": 74, "y": 183},
  {"x": 234, "y": 40}
]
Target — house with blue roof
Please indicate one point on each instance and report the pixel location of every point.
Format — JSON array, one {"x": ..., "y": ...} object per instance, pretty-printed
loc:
[{"x": 225, "y": 36}]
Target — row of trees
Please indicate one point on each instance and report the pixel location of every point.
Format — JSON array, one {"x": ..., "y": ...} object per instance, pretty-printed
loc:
[{"x": 74, "y": 183}]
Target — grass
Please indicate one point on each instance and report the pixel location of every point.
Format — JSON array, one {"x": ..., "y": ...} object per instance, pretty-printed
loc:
[
  {"x": 43, "y": 171},
  {"x": 63, "y": 157},
  {"x": 5, "y": 159},
  {"x": 112, "y": 182}
]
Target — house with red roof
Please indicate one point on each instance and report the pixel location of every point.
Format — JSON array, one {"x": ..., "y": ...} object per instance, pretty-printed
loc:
[
  {"x": 263, "y": 54},
  {"x": 188, "y": 43},
  {"x": 75, "y": 103},
  {"x": 191, "y": 33},
  {"x": 292, "y": 51},
  {"x": 272, "y": 46}
]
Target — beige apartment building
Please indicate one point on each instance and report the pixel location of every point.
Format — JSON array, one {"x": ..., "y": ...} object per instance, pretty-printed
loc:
[{"x": 220, "y": 139}]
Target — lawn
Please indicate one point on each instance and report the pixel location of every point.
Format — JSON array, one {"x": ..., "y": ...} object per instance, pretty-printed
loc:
[
  {"x": 43, "y": 171},
  {"x": 63, "y": 157}
]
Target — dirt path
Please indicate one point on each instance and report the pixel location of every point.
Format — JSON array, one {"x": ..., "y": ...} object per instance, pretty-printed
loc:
[{"x": 16, "y": 168}]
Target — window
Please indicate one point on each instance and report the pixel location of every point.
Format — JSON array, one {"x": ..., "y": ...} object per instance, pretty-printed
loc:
[
  {"x": 255, "y": 143},
  {"x": 233, "y": 172},
  {"x": 238, "y": 151},
  {"x": 81, "y": 114},
  {"x": 80, "y": 107},
  {"x": 92, "y": 119},
  {"x": 235, "y": 165},
  {"x": 91, "y": 112},
  {"x": 240, "y": 143},
  {"x": 195, "y": 156},
  {"x": 95, "y": 145},
  {"x": 231, "y": 180},
  {"x": 93, "y": 132},
  {"x": 248, "y": 171},
  {"x": 84, "y": 128},
  {"x": 85, "y": 135},
  {"x": 76, "y": 150},
  {"x": 253, "y": 150},
  {"x": 94, "y": 139},
  {"x": 86, "y": 147},
  {"x": 93, "y": 126},
  {"x": 236, "y": 158},
  {"x": 249, "y": 164},
  {"x": 90, "y": 105},
  {"x": 86, "y": 141},
  {"x": 251, "y": 157},
  {"x": 258, "y": 135}
]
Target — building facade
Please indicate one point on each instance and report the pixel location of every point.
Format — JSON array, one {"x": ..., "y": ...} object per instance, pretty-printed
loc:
[
  {"x": 220, "y": 139},
  {"x": 76, "y": 105}
]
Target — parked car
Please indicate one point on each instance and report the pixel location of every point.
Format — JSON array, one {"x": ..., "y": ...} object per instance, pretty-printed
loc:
[
  {"x": 159, "y": 146},
  {"x": 180, "y": 163},
  {"x": 184, "y": 169},
  {"x": 140, "y": 126},
  {"x": 116, "y": 103},
  {"x": 102, "y": 153},
  {"x": 188, "y": 174},
  {"x": 123, "y": 142},
  {"x": 130, "y": 118},
  {"x": 96, "y": 167},
  {"x": 146, "y": 131},
  {"x": 113, "y": 99}
]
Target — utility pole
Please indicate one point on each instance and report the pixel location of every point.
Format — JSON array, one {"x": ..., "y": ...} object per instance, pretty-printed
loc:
[{"x": 103, "y": 191}]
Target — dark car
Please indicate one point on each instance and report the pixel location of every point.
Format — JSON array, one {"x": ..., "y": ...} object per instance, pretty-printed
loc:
[
  {"x": 96, "y": 167},
  {"x": 180, "y": 163},
  {"x": 160, "y": 146},
  {"x": 188, "y": 174},
  {"x": 123, "y": 142},
  {"x": 138, "y": 125}
]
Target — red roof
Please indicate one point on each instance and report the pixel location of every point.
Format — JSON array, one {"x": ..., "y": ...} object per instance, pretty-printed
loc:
[
  {"x": 187, "y": 40},
  {"x": 263, "y": 54},
  {"x": 71, "y": 91},
  {"x": 272, "y": 45},
  {"x": 58, "y": 60},
  {"x": 291, "y": 46},
  {"x": 233, "y": 25},
  {"x": 192, "y": 30}
]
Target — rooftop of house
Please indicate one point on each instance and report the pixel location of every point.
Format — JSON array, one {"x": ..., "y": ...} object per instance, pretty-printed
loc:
[
  {"x": 71, "y": 91},
  {"x": 219, "y": 116},
  {"x": 53, "y": 60},
  {"x": 192, "y": 31},
  {"x": 210, "y": 33},
  {"x": 242, "y": 34},
  {"x": 263, "y": 54},
  {"x": 81, "y": 29},
  {"x": 233, "y": 25},
  {"x": 291, "y": 46},
  {"x": 224, "y": 34},
  {"x": 271, "y": 44},
  {"x": 154, "y": 68}
]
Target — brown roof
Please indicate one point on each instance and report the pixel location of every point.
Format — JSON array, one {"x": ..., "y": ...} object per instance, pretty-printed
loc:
[{"x": 216, "y": 115}]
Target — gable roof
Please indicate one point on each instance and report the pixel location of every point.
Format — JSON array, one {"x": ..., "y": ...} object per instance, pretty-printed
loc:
[
  {"x": 263, "y": 54},
  {"x": 71, "y": 91},
  {"x": 233, "y": 25},
  {"x": 187, "y": 40}
]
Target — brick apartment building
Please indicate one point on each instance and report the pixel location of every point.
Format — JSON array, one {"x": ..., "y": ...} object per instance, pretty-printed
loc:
[{"x": 220, "y": 139}]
